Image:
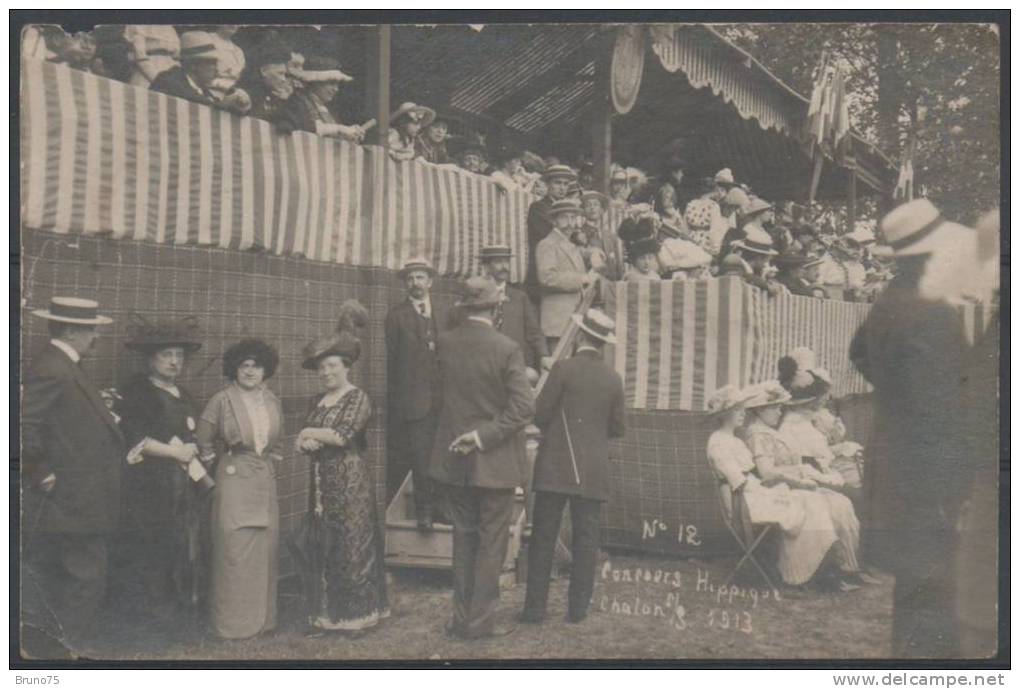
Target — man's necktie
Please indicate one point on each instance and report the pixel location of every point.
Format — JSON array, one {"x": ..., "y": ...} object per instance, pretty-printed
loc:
[
  {"x": 421, "y": 307},
  {"x": 497, "y": 320}
]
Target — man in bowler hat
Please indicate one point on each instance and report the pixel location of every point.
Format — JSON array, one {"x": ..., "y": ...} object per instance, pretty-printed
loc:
[
  {"x": 72, "y": 453},
  {"x": 479, "y": 453},
  {"x": 579, "y": 410}
]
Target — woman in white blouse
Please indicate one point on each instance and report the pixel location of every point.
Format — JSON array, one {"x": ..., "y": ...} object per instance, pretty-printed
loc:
[{"x": 241, "y": 428}]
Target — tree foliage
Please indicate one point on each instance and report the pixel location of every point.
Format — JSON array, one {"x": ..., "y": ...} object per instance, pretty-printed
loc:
[{"x": 936, "y": 85}]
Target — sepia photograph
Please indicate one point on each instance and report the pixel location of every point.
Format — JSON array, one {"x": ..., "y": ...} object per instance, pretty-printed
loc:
[{"x": 502, "y": 340}]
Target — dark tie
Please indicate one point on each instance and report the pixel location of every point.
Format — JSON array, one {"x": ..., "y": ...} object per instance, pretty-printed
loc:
[
  {"x": 497, "y": 320},
  {"x": 421, "y": 307}
]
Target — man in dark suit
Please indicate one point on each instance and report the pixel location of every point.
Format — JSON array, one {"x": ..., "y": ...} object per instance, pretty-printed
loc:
[
  {"x": 71, "y": 457},
  {"x": 558, "y": 179},
  {"x": 579, "y": 409},
  {"x": 412, "y": 386},
  {"x": 799, "y": 274},
  {"x": 196, "y": 74},
  {"x": 479, "y": 453},
  {"x": 912, "y": 349},
  {"x": 516, "y": 317}
]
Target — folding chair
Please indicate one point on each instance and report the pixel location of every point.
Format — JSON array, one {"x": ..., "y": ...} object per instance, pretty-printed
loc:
[{"x": 748, "y": 536}]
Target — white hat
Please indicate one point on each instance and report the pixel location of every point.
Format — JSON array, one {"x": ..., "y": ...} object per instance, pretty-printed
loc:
[
  {"x": 918, "y": 228},
  {"x": 73, "y": 310},
  {"x": 596, "y": 324},
  {"x": 724, "y": 177}
]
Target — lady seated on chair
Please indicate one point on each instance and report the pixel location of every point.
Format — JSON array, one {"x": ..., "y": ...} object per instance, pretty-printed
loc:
[{"x": 788, "y": 500}]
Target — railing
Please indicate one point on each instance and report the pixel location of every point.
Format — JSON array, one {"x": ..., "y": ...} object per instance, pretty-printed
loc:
[{"x": 104, "y": 157}]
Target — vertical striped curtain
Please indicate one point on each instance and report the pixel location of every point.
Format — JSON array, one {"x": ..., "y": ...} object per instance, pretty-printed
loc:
[{"x": 104, "y": 157}]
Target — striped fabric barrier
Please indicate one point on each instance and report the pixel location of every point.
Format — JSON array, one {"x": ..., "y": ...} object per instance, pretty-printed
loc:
[
  {"x": 104, "y": 157},
  {"x": 679, "y": 341}
]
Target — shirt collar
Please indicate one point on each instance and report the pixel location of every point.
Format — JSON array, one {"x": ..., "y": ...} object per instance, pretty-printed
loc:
[
  {"x": 163, "y": 385},
  {"x": 480, "y": 319},
  {"x": 416, "y": 303},
  {"x": 66, "y": 349}
]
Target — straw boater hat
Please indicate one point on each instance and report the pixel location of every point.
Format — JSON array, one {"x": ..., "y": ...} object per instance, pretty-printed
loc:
[
  {"x": 725, "y": 399},
  {"x": 419, "y": 113},
  {"x": 918, "y": 228},
  {"x": 148, "y": 336},
  {"x": 197, "y": 45},
  {"x": 597, "y": 324},
  {"x": 416, "y": 263},
  {"x": 765, "y": 394},
  {"x": 756, "y": 241},
  {"x": 318, "y": 68},
  {"x": 568, "y": 205},
  {"x": 559, "y": 172},
  {"x": 494, "y": 251},
  {"x": 480, "y": 292},
  {"x": 73, "y": 310},
  {"x": 724, "y": 178},
  {"x": 597, "y": 195}
]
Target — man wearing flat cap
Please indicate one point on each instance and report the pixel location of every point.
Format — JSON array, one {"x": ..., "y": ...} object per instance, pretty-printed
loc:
[
  {"x": 412, "y": 386},
  {"x": 72, "y": 453},
  {"x": 479, "y": 455},
  {"x": 557, "y": 180},
  {"x": 912, "y": 348}
]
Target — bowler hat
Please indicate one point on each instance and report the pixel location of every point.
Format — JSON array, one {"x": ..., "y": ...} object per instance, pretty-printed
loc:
[
  {"x": 597, "y": 324},
  {"x": 73, "y": 310}
]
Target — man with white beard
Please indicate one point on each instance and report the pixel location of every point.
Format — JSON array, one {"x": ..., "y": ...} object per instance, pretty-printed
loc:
[{"x": 911, "y": 348}]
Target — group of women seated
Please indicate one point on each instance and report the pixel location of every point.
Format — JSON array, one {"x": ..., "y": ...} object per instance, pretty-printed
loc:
[
  {"x": 780, "y": 450},
  {"x": 202, "y": 527}
]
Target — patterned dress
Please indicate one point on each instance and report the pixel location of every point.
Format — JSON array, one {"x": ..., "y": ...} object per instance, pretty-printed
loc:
[{"x": 342, "y": 549}]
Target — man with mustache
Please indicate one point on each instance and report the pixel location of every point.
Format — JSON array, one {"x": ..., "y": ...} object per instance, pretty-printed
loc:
[{"x": 412, "y": 382}]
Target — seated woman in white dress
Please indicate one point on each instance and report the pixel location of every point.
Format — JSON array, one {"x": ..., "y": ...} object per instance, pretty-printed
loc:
[
  {"x": 775, "y": 457},
  {"x": 789, "y": 501}
]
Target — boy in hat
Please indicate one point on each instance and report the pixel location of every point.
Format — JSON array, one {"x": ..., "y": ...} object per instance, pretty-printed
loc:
[
  {"x": 911, "y": 348},
  {"x": 579, "y": 410},
  {"x": 412, "y": 386},
  {"x": 478, "y": 455},
  {"x": 193, "y": 79},
  {"x": 562, "y": 273},
  {"x": 72, "y": 453},
  {"x": 557, "y": 179}
]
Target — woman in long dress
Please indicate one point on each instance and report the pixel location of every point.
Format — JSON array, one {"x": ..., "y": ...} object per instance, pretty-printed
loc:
[
  {"x": 802, "y": 514},
  {"x": 240, "y": 429},
  {"x": 775, "y": 458},
  {"x": 340, "y": 545},
  {"x": 166, "y": 488}
]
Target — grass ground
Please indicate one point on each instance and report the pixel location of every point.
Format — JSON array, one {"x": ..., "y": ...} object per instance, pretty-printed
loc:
[{"x": 643, "y": 608}]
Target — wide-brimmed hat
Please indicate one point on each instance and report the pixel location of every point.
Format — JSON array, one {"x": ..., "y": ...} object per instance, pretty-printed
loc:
[
  {"x": 342, "y": 344},
  {"x": 726, "y": 398},
  {"x": 642, "y": 247},
  {"x": 597, "y": 195},
  {"x": 754, "y": 207},
  {"x": 152, "y": 336},
  {"x": 494, "y": 251},
  {"x": 918, "y": 227},
  {"x": 480, "y": 291},
  {"x": 559, "y": 172},
  {"x": 416, "y": 263},
  {"x": 198, "y": 45},
  {"x": 724, "y": 178},
  {"x": 765, "y": 394},
  {"x": 755, "y": 240},
  {"x": 737, "y": 198},
  {"x": 73, "y": 310},
  {"x": 597, "y": 324},
  {"x": 633, "y": 229},
  {"x": 419, "y": 113},
  {"x": 567, "y": 205},
  {"x": 319, "y": 68},
  {"x": 802, "y": 394},
  {"x": 618, "y": 175}
]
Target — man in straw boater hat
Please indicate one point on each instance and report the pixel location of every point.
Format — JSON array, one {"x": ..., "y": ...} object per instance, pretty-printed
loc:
[
  {"x": 557, "y": 179},
  {"x": 193, "y": 79},
  {"x": 579, "y": 410},
  {"x": 72, "y": 452},
  {"x": 756, "y": 250},
  {"x": 412, "y": 385},
  {"x": 562, "y": 273},
  {"x": 479, "y": 455},
  {"x": 515, "y": 316},
  {"x": 911, "y": 348}
]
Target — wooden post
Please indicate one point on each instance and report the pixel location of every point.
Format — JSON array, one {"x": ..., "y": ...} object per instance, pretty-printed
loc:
[
  {"x": 378, "y": 87},
  {"x": 602, "y": 106},
  {"x": 851, "y": 200}
]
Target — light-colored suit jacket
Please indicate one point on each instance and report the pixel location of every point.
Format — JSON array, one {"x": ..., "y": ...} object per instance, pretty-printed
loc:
[{"x": 561, "y": 274}]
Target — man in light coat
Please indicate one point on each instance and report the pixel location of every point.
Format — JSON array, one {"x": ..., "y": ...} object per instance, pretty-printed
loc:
[
  {"x": 562, "y": 274},
  {"x": 478, "y": 456}
]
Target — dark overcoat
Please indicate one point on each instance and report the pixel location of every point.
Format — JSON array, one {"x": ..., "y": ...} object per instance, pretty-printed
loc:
[
  {"x": 67, "y": 430},
  {"x": 412, "y": 366},
  {"x": 520, "y": 324},
  {"x": 589, "y": 395},
  {"x": 486, "y": 389},
  {"x": 912, "y": 351},
  {"x": 540, "y": 224},
  {"x": 174, "y": 82}
]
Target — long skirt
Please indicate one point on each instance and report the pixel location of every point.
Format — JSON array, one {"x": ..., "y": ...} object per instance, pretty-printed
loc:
[
  {"x": 802, "y": 548},
  {"x": 245, "y": 547},
  {"x": 340, "y": 547}
]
